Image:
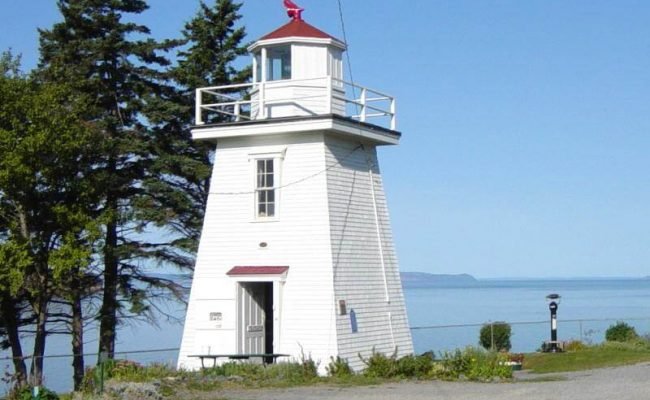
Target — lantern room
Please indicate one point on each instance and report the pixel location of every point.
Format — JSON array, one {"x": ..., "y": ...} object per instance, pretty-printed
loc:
[
  {"x": 299, "y": 70},
  {"x": 296, "y": 50}
]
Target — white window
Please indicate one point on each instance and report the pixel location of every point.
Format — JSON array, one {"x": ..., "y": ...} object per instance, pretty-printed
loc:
[
  {"x": 265, "y": 190},
  {"x": 278, "y": 63},
  {"x": 266, "y": 173}
]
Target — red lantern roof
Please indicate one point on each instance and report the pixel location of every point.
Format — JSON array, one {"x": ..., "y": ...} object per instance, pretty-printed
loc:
[{"x": 297, "y": 28}]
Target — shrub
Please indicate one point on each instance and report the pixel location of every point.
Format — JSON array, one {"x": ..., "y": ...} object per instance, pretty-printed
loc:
[
  {"x": 378, "y": 365},
  {"x": 575, "y": 345},
  {"x": 339, "y": 368},
  {"x": 474, "y": 364},
  {"x": 496, "y": 336},
  {"x": 286, "y": 374},
  {"x": 309, "y": 368},
  {"x": 620, "y": 332},
  {"x": 25, "y": 393},
  {"x": 415, "y": 366},
  {"x": 124, "y": 371}
]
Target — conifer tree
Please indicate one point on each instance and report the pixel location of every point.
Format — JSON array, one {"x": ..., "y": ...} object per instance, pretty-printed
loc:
[
  {"x": 214, "y": 43},
  {"x": 116, "y": 65},
  {"x": 150, "y": 175},
  {"x": 211, "y": 44}
]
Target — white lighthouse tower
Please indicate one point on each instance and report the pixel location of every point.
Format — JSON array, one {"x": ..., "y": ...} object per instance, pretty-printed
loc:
[{"x": 296, "y": 255}]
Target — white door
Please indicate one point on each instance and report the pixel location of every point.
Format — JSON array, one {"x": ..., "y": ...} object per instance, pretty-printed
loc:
[{"x": 252, "y": 318}]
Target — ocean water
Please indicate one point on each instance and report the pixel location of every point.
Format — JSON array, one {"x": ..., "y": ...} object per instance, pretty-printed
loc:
[
  {"x": 444, "y": 318},
  {"x": 441, "y": 318}
]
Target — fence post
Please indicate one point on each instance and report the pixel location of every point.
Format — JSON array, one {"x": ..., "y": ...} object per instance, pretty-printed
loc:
[
  {"x": 580, "y": 322},
  {"x": 102, "y": 360},
  {"x": 492, "y": 336}
]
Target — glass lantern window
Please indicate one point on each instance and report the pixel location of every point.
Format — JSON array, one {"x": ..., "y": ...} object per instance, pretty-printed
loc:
[{"x": 278, "y": 63}]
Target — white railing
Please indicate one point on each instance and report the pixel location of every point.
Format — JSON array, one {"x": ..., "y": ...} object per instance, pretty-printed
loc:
[{"x": 319, "y": 96}]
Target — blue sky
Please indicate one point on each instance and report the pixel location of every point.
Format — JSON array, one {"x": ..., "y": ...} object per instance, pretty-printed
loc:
[{"x": 526, "y": 124}]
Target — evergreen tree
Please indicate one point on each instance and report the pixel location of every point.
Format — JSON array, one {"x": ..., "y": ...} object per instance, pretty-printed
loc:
[
  {"x": 149, "y": 175},
  {"x": 214, "y": 43},
  {"x": 209, "y": 48},
  {"x": 115, "y": 64}
]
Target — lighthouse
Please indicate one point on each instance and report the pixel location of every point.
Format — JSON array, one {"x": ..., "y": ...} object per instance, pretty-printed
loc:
[{"x": 296, "y": 255}]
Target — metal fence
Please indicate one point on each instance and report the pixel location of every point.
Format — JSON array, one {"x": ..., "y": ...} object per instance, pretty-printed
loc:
[{"x": 527, "y": 336}]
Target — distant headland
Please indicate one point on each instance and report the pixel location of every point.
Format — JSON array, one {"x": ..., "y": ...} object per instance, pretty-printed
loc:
[{"x": 424, "y": 279}]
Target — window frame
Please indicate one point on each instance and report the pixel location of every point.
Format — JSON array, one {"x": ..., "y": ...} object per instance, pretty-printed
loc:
[{"x": 276, "y": 157}]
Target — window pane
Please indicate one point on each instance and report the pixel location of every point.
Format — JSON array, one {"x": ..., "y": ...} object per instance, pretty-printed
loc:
[
  {"x": 278, "y": 63},
  {"x": 265, "y": 194}
]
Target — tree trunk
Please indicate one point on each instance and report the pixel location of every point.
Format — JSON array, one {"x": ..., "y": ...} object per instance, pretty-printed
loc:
[
  {"x": 77, "y": 341},
  {"x": 108, "y": 312},
  {"x": 9, "y": 312},
  {"x": 36, "y": 371}
]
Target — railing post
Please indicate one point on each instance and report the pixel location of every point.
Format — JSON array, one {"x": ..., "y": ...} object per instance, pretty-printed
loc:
[
  {"x": 328, "y": 96},
  {"x": 362, "y": 117},
  {"x": 197, "y": 110},
  {"x": 393, "y": 116},
  {"x": 237, "y": 112},
  {"x": 261, "y": 106}
]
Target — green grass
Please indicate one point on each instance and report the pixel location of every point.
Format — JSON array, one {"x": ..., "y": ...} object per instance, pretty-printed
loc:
[{"x": 609, "y": 354}]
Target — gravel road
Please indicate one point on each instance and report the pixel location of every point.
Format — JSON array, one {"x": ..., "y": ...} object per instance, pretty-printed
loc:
[{"x": 620, "y": 383}]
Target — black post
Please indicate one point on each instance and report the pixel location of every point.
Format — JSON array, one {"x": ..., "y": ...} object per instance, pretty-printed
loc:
[{"x": 553, "y": 307}]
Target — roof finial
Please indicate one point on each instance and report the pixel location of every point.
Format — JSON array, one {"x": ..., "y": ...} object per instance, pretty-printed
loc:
[{"x": 293, "y": 10}]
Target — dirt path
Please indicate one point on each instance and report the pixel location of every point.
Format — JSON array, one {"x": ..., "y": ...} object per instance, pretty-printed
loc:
[{"x": 621, "y": 383}]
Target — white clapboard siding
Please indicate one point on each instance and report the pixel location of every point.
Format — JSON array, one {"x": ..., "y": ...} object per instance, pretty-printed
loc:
[
  {"x": 358, "y": 274},
  {"x": 298, "y": 239},
  {"x": 326, "y": 233}
]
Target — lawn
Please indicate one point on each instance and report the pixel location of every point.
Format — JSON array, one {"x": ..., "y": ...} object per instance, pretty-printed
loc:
[{"x": 605, "y": 355}]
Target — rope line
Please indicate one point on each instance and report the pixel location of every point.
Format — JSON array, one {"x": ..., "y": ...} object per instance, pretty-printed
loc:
[
  {"x": 329, "y": 167},
  {"x": 345, "y": 40}
]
